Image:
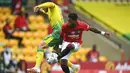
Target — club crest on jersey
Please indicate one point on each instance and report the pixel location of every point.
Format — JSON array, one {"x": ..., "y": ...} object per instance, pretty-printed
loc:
[
  {"x": 73, "y": 32},
  {"x": 78, "y": 31}
]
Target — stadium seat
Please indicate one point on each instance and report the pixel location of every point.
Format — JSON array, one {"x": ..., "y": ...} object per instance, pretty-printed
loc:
[
  {"x": 83, "y": 58},
  {"x": 32, "y": 19},
  {"x": 45, "y": 26},
  {"x": 14, "y": 56},
  {"x": 39, "y": 19},
  {"x": 2, "y": 34},
  {"x": 16, "y": 33},
  {"x": 36, "y": 41},
  {"x": 6, "y": 41},
  {"x": 21, "y": 34},
  {"x": 26, "y": 51},
  {"x": 19, "y": 57},
  {"x": 36, "y": 34},
  {"x": 42, "y": 34},
  {"x": 26, "y": 42},
  {"x": 1, "y": 49},
  {"x": 30, "y": 58},
  {"x": 102, "y": 59},
  {"x": 28, "y": 34},
  {"x": 72, "y": 59},
  {"x": 13, "y": 42}
]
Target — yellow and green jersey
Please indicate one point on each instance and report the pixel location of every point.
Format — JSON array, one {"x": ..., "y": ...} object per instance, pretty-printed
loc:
[{"x": 54, "y": 13}]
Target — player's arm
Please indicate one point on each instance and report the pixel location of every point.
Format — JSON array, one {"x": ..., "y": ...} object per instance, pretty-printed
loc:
[
  {"x": 47, "y": 5},
  {"x": 95, "y": 30},
  {"x": 43, "y": 6}
]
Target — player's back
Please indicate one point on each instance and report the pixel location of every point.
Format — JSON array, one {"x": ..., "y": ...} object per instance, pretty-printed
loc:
[{"x": 55, "y": 15}]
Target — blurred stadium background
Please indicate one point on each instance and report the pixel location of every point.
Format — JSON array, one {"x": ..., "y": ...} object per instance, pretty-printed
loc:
[{"x": 108, "y": 15}]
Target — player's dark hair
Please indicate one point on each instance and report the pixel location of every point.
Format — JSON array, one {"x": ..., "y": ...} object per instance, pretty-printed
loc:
[{"x": 73, "y": 16}]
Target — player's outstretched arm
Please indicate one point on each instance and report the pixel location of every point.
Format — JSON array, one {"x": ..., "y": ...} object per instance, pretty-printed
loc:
[
  {"x": 95, "y": 30},
  {"x": 43, "y": 6}
]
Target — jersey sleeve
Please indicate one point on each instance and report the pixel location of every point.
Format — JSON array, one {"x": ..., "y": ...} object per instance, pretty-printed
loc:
[
  {"x": 46, "y": 5},
  {"x": 85, "y": 26}
]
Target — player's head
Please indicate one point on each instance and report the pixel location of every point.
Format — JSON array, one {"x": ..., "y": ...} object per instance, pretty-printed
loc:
[
  {"x": 7, "y": 21},
  {"x": 94, "y": 48},
  {"x": 72, "y": 19}
]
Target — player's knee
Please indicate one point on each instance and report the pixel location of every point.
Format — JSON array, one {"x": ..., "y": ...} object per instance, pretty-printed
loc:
[
  {"x": 64, "y": 62},
  {"x": 42, "y": 45},
  {"x": 70, "y": 46}
]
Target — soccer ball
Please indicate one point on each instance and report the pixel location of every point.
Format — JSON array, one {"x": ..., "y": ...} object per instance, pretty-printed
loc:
[{"x": 52, "y": 58}]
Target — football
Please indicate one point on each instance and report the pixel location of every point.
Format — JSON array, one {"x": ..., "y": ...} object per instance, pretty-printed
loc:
[{"x": 52, "y": 58}]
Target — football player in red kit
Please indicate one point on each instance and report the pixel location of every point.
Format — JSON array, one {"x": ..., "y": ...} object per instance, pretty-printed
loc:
[{"x": 72, "y": 38}]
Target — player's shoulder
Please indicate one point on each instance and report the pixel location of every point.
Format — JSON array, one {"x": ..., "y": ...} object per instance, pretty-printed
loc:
[
  {"x": 81, "y": 22},
  {"x": 64, "y": 25},
  {"x": 50, "y": 2}
]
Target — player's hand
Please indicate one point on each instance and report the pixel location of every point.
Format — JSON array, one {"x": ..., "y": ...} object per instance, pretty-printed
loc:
[
  {"x": 107, "y": 34},
  {"x": 36, "y": 9}
]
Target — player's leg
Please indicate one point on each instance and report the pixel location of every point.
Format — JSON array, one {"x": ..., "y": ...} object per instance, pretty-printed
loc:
[
  {"x": 40, "y": 52},
  {"x": 72, "y": 47},
  {"x": 64, "y": 66},
  {"x": 66, "y": 50},
  {"x": 75, "y": 67}
]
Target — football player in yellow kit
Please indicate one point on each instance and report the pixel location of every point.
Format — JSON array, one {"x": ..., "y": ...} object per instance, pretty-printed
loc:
[{"x": 56, "y": 20}]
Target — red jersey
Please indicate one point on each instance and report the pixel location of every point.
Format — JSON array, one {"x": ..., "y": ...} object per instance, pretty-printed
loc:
[
  {"x": 20, "y": 22},
  {"x": 74, "y": 34}
]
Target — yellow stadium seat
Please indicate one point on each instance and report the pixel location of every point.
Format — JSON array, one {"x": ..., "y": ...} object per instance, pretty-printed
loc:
[
  {"x": 36, "y": 34},
  {"x": 32, "y": 18},
  {"x": 1, "y": 26},
  {"x": 26, "y": 42},
  {"x": 44, "y": 26},
  {"x": 3, "y": 17},
  {"x": 1, "y": 49},
  {"x": 42, "y": 34},
  {"x": 2, "y": 34},
  {"x": 21, "y": 34},
  {"x": 7, "y": 10},
  {"x": 16, "y": 33},
  {"x": 30, "y": 58},
  {"x": 102, "y": 59},
  {"x": 33, "y": 51},
  {"x": 77, "y": 57},
  {"x": 13, "y": 42},
  {"x": 6, "y": 42},
  {"x": 86, "y": 50},
  {"x": 40, "y": 19},
  {"x": 36, "y": 42},
  {"x": 28, "y": 34},
  {"x": 83, "y": 58},
  {"x": 20, "y": 57},
  {"x": 72, "y": 59},
  {"x": 12, "y": 17},
  {"x": 26, "y": 51},
  {"x": 14, "y": 57},
  {"x": 36, "y": 26}
]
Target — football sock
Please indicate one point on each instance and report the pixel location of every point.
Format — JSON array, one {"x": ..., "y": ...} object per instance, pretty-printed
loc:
[
  {"x": 65, "y": 69},
  {"x": 39, "y": 57},
  {"x": 64, "y": 66},
  {"x": 69, "y": 64}
]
